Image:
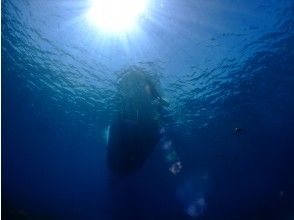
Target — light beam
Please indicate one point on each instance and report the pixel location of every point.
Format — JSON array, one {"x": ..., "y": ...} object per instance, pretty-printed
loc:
[{"x": 116, "y": 15}]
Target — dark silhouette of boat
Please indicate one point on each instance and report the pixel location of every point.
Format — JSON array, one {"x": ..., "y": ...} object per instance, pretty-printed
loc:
[{"x": 134, "y": 133}]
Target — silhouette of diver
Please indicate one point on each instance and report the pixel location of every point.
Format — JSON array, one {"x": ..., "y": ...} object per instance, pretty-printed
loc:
[{"x": 134, "y": 133}]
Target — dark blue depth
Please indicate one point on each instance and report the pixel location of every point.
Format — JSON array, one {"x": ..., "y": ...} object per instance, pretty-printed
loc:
[{"x": 222, "y": 65}]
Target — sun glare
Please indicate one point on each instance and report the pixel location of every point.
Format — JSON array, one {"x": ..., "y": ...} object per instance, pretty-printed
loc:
[{"x": 116, "y": 15}]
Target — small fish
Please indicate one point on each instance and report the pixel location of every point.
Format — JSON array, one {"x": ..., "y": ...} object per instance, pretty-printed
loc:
[{"x": 238, "y": 130}]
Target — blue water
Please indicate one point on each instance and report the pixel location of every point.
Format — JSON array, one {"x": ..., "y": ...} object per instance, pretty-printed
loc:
[{"x": 222, "y": 64}]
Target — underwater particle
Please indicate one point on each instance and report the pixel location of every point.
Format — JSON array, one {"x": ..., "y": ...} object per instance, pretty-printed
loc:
[
  {"x": 281, "y": 194},
  {"x": 196, "y": 208},
  {"x": 238, "y": 130},
  {"x": 167, "y": 145},
  {"x": 171, "y": 156},
  {"x": 161, "y": 131},
  {"x": 191, "y": 210},
  {"x": 176, "y": 168}
]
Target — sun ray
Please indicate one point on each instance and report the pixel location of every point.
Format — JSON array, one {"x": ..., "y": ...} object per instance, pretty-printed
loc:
[{"x": 116, "y": 16}]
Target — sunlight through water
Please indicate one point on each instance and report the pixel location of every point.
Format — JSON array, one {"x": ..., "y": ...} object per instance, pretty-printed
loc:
[{"x": 116, "y": 16}]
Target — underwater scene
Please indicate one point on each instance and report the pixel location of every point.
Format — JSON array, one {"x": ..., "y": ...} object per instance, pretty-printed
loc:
[{"x": 147, "y": 109}]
